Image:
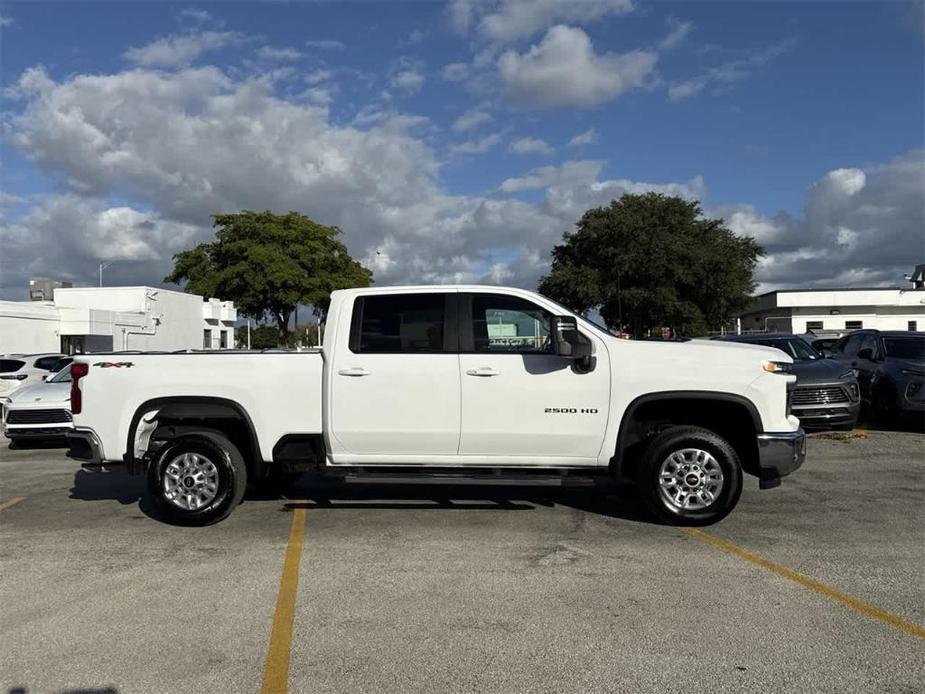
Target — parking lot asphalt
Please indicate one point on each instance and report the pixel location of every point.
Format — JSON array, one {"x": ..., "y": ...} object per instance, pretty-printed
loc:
[{"x": 431, "y": 589}]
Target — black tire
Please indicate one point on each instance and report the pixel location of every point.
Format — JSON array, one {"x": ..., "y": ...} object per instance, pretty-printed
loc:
[
  {"x": 677, "y": 439},
  {"x": 230, "y": 478},
  {"x": 276, "y": 482}
]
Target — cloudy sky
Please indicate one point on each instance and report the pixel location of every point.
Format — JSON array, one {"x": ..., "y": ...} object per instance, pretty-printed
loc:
[{"x": 457, "y": 142}]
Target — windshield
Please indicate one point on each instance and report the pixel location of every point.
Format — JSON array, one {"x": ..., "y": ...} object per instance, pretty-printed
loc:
[
  {"x": 63, "y": 376},
  {"x": 795, "y": 347},
  {"x": 905, "y": 347}
]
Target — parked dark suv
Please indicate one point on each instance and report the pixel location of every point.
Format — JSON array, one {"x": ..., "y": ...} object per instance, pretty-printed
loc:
[
  {"x": 826, "y": 395},
  {"x": 890, "y": 365}
]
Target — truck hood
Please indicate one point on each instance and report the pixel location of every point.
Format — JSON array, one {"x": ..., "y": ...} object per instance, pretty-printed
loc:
[
  {"x": 743, "y": 349},
  {"x": 56, "y": 393}
]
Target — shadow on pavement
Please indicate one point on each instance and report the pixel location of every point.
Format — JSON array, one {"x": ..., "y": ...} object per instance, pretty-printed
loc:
[
  {"x": 37, "y": 444},
  {"x": 612, "y": 502},
  {"x": 312, "y": 492}
]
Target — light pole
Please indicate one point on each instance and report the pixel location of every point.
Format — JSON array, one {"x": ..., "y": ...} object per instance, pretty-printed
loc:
[{"x": 103, "y": 266}]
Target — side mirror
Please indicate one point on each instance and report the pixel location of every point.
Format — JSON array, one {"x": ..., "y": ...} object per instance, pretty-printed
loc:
[
  {"x": 45, "y": 377},
  {"x": 866, "y": 353},
  {"x": 567, "y": 341}
]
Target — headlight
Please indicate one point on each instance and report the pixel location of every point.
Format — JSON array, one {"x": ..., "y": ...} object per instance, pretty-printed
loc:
[{"x": 777, "y": 367}]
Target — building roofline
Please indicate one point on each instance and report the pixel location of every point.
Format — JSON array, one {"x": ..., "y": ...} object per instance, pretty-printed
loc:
[{"x": 840, "y": 289}]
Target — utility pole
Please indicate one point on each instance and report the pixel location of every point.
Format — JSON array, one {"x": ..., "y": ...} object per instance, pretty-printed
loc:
[
  {"x": 248, "y": 333},
  {"x": 103, "y": 266}
]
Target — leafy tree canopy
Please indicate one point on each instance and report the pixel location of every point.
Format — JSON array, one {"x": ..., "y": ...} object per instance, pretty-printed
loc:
[
  {"x": 268, "y": 263},
  {"x": 652, "y": 260}
]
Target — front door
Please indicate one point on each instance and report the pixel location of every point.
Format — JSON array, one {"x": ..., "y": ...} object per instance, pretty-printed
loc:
[
  {"x": 396, "y": 387},
  {"x": 519, "y": 399}
]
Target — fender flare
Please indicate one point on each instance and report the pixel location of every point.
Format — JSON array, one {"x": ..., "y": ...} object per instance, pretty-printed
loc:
[
  {"x": 134, "y": 466},
  {"x": 630, "y": 411}
]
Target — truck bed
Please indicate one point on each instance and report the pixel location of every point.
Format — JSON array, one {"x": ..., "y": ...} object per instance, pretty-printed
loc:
[{"x": 279, "y": 391}]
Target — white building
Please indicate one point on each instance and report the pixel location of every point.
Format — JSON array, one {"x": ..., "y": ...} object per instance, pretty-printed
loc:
[
  {"x": 91, "y": 319},
  {"x": 836, "y": 310}
]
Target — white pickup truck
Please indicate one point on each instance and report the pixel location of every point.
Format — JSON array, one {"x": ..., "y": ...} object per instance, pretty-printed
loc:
[{"x": 463, "y": 384}]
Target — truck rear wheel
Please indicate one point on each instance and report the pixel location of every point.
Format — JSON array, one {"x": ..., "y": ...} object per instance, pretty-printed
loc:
[
  {"x": 197, "y": 479},
  {"x": 690, "y": 476}
]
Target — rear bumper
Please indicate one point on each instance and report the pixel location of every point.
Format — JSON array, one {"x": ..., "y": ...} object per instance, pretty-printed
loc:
[
  {"x": 84, "y": 445},
  {"x": 779, "y": 455}
]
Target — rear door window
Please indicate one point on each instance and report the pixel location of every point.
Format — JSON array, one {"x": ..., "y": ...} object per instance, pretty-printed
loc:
[
  {"x": 401, "y": 323},
  {"x": 46, "y": 363}
]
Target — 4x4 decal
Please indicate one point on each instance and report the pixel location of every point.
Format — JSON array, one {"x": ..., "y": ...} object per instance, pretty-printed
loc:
[{"x": 114, "y": 364}]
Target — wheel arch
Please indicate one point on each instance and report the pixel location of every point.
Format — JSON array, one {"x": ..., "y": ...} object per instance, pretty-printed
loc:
[
  {"x": 204, "y": 409},
  {"x": 645, "y": 413}
]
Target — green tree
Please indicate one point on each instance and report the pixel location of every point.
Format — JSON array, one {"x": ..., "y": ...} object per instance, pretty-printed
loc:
[
  {"x": 653, "y": 260},
  {"x": 268, "y": 263}
]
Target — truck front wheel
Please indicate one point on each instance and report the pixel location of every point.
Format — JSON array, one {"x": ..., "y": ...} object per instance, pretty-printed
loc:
[
  {"x": 690, "y": 476},
  {"x": 197, "y": 479}
]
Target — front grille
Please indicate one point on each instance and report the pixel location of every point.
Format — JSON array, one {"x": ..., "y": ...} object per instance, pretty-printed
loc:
[
  {"x": 38, "y": 416},
  {"x": 819, "y": 396}
]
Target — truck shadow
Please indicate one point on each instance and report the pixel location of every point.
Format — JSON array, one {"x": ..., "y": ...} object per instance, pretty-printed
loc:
[
  {"x": 319, "y": 494},
  {"x": 612, "y": 502}
]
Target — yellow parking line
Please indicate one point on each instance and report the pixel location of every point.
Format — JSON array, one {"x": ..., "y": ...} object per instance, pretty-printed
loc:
[
  {"x": 276, "y": 670},
  {"x": 11, "y": 502},
  {"x": 812, "y": 584}
]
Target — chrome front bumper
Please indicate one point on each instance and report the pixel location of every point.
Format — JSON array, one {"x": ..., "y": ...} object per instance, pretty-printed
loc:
[{"x": 779, "y": 455}]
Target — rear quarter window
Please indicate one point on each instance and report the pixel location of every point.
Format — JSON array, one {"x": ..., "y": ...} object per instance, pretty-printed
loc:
[{"x": 10, "y": 365}]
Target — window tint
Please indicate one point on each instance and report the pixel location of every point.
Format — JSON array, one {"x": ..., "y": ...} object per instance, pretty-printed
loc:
[
  {"x": 814, "y": 325},
  {"x": 10, "y": 365},
  {"x": 46, "y": 363},
  {"x": 850, "y": 347},
  {"x": 207, "y": 339},
  {"x": 869, "y": 342},
  {"x": 509, "y": 324},
  {"x": 854, "y": 324},
  {"x": 912, "y": 325},
  {"x": 904, "y": 347},
  {"x": 223, "y": 339},
  {"x": 402, "y": 323}
]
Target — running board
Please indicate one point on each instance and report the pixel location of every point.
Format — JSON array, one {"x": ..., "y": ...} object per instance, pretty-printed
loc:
[{"x": 469, "y": 479}]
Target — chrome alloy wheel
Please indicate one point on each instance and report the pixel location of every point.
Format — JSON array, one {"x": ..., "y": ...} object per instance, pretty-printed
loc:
[
  {"x": 190, "y": 481},
  {"x": 690, "y": 479}
]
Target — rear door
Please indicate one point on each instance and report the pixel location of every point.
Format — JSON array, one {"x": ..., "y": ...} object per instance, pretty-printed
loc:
[
  {"x": 519, "y": 399},
  {"x": 395, "y": 387}
]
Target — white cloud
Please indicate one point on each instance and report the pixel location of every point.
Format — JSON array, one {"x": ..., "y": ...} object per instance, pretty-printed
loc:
[
  {"x": 530, "y": 145},
  {"x": 568, "y": 174},
  {"x": 194, "y": 14},
  {"x": 679, "y": 32},
  {"x": 316, "y": 76},
  {"x": 455, "y": 72},
  {"x": 477, "y": 146},
  {"x": 177, "y": 147},
  {"x": 5, "y": 20},
  {"x": 181, "y": 49},
  {"x": 326, "y": 44},
  {"x": 472, "y": 118},
  {"x": 508, "y": 20},
  {"x": 407, "y": 81},
  {"x": 272, "y": 53},
  {"x": 727, "y": 73},
  {"x": 588, "y": 137},
  {"x": 858, "y": 227},
  {"x": 564, "y": 70}
]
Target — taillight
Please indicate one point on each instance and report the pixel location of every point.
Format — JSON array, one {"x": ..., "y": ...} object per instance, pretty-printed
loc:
[{"x": 78, "y": 371}]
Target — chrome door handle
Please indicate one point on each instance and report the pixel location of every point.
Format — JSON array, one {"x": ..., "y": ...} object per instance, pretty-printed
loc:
[
  {"x": 356, "y": 371},
  {"x": 483, "y": 371}
]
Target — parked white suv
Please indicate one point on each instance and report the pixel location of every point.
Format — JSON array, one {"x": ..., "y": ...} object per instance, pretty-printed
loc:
[
  {"x": 437, "y": 384},
  {"x": 41, "y": 410},
  {"x": 19, "y": 370}
]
